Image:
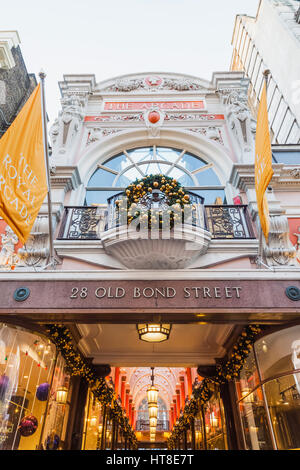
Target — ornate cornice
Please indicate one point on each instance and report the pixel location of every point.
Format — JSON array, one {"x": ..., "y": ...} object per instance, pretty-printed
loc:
[{"x": 242, "y": 176}]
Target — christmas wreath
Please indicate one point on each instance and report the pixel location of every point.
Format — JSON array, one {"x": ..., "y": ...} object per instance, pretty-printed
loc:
[{"x": 141, "y": 190}]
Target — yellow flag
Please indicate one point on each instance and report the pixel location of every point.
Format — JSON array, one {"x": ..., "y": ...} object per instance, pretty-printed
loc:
[
  {"x": 23, "y": 181},
  {"x": 263, "y": 162}
]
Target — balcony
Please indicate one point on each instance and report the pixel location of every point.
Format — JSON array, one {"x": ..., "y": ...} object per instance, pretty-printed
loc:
[{"x": 174, "y": 248}]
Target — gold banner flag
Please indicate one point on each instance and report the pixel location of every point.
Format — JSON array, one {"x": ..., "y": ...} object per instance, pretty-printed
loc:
[
  {"x": 263, "y": 162},
  {"x": 23, "y": 180}
]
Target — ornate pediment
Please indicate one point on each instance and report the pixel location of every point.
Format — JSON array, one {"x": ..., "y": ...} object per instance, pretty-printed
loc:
[{"x": 154, "y": 83}]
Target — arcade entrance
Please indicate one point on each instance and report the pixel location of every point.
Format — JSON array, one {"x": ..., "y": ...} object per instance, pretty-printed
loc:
[{"x": 76, "y": 376}]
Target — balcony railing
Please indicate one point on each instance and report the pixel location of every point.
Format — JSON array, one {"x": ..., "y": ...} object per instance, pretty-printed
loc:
[{"x": 223, "y": 221}]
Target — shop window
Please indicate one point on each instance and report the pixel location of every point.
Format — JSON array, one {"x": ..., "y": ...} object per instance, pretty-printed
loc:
[
  {"x": 31, "y": 375},
  {"x": 269, "y": 405},
  {"x": 93, "y": 424},
  {"x": 283, "y": 399},
  {"x": 279, "y": 353},
  {"x": 254, "y": 422},
  {"x": 209, "y": 425}
]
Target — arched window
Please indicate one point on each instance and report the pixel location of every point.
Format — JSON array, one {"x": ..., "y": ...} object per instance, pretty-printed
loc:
[
  {"x": 142, "y": 423},
  {"x": 193, "y": 172}
]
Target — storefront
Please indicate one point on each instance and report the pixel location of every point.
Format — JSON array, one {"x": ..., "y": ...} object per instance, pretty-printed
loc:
[
  {"x": 268, "y": 392},
  {"x": 34, "y": 391},
  {"x": 181, "y": 255}
]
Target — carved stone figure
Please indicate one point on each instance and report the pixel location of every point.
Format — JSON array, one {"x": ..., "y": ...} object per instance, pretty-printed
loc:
[
  {"x": 240, "y": 118},
  {"x": 183, "y": 84},
  {"x": 66, "y": 126},
  {"x": 126, "y": 85},
  {"x": 297, "y": 246},
  {"x": 8, "y": 257}
]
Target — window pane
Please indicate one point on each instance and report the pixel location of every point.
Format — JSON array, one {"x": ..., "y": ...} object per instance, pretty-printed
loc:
[
  {"x": 294, "y": 136},
  {"x": 284, "y": 404},
  {"x": 254, "y": 59},
  {"x": 138, "y": 155},
  {"x": 208, "y": 178},
  {"x": 98, "y": 197},
  {"x": 286, "y": 127},
  {"x": 279, "y": 352},
  {"x": 101, "y": 178},
  {"x": 249, "y": 55},
  {"x": 274, "y": 105},
  {"x": 271, "y": 88},
  {"x": 289, "y": 158},
  {"x": 248, "y": 378},
  {"x": 169, "y": 154},
  {"x": 210, "y": 195},
  {"x": 279, "y": 116},
  {"x": 254, "y": 422},
  {"x": 191, "y": 163},
  {"x": 117, "y": 163}
]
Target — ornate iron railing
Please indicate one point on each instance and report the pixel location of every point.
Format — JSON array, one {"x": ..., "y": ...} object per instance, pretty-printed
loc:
[
  {"x": 82, "y": 223},
  {"x": 194, "y": 214},
  {"x": 229, "y": 221},
  {"x": 223, "y": 221}
]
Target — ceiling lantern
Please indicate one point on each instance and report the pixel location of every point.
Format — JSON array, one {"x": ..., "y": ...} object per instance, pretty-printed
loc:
[
  {"x": 153, "y": 411},
  {"x": 152, "y": 396},
  {"x": 154, "y": 333},
  {"x": 153, "y": 422}
]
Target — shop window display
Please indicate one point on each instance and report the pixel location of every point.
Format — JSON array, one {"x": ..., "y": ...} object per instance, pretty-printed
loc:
[
  {"x": 93, "y": 429},
  {"x": 269, "y": 406},
  {"x": 31, "y": 373},
  {"x": 215, "y": 431},
  {"x": 209, "y": 427}
]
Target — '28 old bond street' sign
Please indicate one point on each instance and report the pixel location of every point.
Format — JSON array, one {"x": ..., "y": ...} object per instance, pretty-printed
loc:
[{"x": 93, "y": 300}]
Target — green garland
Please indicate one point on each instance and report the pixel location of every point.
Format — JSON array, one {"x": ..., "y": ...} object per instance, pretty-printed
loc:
[
  {"x": 77, "y": 365},
  {"x": 176, "y": 198},
  {"x": 224, "y": 373}
]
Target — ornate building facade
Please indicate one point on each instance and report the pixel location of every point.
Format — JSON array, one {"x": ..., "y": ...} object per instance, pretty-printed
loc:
[{"x": 227, "y": 311}]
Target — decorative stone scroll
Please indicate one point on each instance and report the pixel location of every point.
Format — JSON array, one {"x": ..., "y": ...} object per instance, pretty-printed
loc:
[{"x": 280, "y": 250}]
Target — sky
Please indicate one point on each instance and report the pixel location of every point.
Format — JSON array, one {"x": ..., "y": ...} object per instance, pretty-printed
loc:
[{"x": 109, "y": 38}]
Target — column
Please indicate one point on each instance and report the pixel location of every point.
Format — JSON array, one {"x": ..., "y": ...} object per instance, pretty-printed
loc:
[
  {"x": 127, "y": 391},
  {"x": 175, "y": 410},
  {"x": 132, "y": 416},
  {"x": 129, "y": 409},
  {"x": 189, "y": 382},
  {"x": 170, "y": 418},
  {"x": 182, "y": 392},
  {"x": 173, "y": 416},
  {"x": 178, "y": 402},
  {"x": 123, "y": 385},
  {"x": 117, "y": 380}
]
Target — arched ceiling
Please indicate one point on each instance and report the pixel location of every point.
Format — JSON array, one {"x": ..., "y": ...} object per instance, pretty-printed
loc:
[{"x": 165, "y": 379}]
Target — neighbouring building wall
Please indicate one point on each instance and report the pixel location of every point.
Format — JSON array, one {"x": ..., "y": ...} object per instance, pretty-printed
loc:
[
  {"x": 272, "y": 41},
  {"x": 16, "y": 84}
]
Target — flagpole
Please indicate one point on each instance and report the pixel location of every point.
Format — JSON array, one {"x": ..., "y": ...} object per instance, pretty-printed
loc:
[
  {"x": 266, "y": 74},
  {"x": 42, "y": 76}
]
